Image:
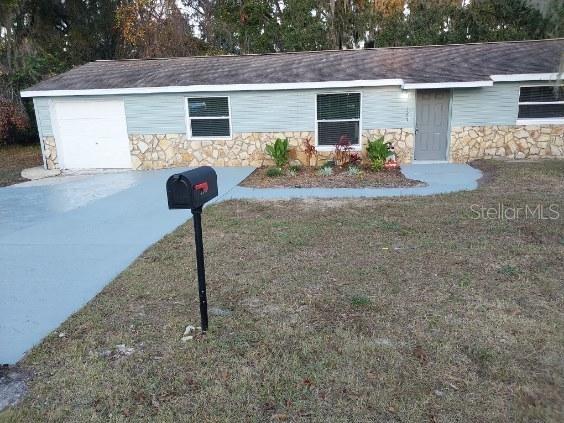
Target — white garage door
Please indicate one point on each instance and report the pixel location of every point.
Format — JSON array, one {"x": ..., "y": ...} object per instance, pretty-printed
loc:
[{"x": 91, "y": 134}]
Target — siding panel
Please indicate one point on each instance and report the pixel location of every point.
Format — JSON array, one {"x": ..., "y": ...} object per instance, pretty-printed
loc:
[
  {"x": 273, "y": 111},
  {"x": 495, "y": 105},
  {"x": 155, "y": 114},
  {"x": 253, "y": 111},
  {"x": 43, "y": 116},
  {"x": 267, "y": 111},
  {"x": 387, "y": 107}
]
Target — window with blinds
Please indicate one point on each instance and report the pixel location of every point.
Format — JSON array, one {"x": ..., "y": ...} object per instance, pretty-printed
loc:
[
  {"x": 541, "y": 102},
  {"x": 338, "y": 118},
  {"x": 209, "y": 117}
]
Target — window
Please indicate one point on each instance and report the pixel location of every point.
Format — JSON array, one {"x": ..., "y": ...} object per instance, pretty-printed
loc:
[
  {"x": 541, "y": 103},
  {"x": 209, "y": 117},
  {"x": 338, "y": 117}
]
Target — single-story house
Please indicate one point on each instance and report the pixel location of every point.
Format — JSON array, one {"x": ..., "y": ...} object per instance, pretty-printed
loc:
[{"x": 434, "y": 103}]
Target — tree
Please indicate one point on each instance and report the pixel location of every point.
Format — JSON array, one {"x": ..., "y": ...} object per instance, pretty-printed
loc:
[
  {"x": 503, "y": 20},
  {"x": 555, "y": 17},
  {"x": 154, "y": 28},
  {"x": 447, "y": 21},
  {"x": 300, "y": 26}
]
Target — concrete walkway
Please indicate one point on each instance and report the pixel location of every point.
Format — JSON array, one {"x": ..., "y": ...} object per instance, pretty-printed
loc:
[
  {"x": 63, "y": 239},
  {"x": 440, "y": 178}
]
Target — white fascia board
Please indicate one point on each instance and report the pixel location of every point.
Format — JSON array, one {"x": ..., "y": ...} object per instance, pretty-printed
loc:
[
  {"x": 431, "y": 85},
  {"x": 540, "y": 121},
  {"x": 516, "y": 77},
  {"x": 216, "y": 88}
]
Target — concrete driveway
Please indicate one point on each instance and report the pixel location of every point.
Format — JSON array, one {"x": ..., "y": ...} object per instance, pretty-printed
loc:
[{"x": 63, "y": 239}]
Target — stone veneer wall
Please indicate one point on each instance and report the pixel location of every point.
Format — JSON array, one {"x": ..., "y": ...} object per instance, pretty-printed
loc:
[
  {"x": 50, "y": 152},
  {"x": 244, "y": 149},
  {"x": 155, "y": 151},
  {"x": 516, "y": 142},
  {"x": 403, "y": 140}
]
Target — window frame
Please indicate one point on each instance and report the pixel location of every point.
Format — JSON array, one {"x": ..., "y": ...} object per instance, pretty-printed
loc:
[
  {"x": 354, "y": 147},
  {"x": 189, "y": 118},
  {"x": 537, "y": 121}
]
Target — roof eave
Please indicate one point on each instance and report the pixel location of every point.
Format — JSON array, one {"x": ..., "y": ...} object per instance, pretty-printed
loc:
[
  {"x": 215, "y": 88},
  {"x": 456, "y": 84},
  {"x": 516, "y": 77},
  {"x": 294, "y": 86}
]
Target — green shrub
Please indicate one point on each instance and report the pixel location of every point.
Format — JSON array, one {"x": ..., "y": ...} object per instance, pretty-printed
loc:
[
  {"x": 279, "y": 152},
  {"x": 377, "y": 165},
  {"x": 294, "y": 168},
  {"x": 353, "y": 170},
  {"x": 274, "y": 172},
  {"x": 325, "y": 171},
  {"x": 329, "y": 163},
  {"x": 378, "y": 151}
]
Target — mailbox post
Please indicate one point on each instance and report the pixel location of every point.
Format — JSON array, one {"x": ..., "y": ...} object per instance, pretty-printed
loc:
[
  {"x": 191, "y": 190},
  {"x": 197, "y": 216}
]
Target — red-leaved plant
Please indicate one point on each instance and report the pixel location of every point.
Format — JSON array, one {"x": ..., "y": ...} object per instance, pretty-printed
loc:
[
  {"x": 310, "y": 151},
  {"x": 354, "y": 159},
  {"x": 343, "y": 150}
]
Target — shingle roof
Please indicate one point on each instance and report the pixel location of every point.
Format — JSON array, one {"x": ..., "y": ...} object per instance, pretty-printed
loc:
[{"x": 429, "y": 64}]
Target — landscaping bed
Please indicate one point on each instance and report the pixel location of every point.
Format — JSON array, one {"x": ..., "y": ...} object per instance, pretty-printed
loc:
[
  {"x": 340, "y": 178},
  {"x": 391, "y": 309},
  {"x": 344, "y": 168}
]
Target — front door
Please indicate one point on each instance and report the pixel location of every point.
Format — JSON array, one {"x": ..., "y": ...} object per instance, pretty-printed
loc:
[{"x": 431, "y": 131}]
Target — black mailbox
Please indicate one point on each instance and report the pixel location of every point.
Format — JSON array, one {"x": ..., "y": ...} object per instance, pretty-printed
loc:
[{"x": 191, "y": 189}]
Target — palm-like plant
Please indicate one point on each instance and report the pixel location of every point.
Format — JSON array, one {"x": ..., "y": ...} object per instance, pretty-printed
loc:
[
  {"x": 279, "y": 152},
  {"x": 378, "y": 151}
]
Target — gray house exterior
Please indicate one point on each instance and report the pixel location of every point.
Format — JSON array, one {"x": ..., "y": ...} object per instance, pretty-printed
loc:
[{"x": 437, "y": 103}]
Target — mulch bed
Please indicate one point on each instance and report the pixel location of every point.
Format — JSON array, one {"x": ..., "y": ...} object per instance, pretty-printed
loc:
[{"x": 309, "y": 178}]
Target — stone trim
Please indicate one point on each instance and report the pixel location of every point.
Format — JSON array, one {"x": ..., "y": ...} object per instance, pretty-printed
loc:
[
  {"x": 156, "y": 151},
  {"x": 50, "y": 153},
  {"x": 510, "y": 142}
]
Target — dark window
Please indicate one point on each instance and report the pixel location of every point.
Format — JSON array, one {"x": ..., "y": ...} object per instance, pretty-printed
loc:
[
  {"x": 338, "y": 117},
  {"x": 541, "y": 102},
  {"x": 210, "y": 127},
  {"x": 209, "y": 117},
  {"x": 539, "y": 111},
  {"x": 330, "y": 133},
  {"x": 541, "y": 94}
]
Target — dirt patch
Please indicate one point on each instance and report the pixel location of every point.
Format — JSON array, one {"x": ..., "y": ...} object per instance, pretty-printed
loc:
[
  {"x": 310, "y": 178},
  {"x": 13, "y": 385},
  {"x": 13, "y": 159}
]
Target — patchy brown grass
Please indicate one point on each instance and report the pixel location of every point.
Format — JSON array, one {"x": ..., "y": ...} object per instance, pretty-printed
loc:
[
  {"x": 310, "y": 178},
  {"x": 404, "y": 309},
  {"x": 13, "y": 159}
]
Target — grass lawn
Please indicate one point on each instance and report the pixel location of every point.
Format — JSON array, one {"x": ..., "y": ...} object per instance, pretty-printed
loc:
[
  {"x": 15, "y": 158},
  {"x": 404, "y": 310}
]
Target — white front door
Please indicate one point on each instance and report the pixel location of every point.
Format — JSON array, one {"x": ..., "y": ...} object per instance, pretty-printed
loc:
[{"x": 91, "y": 134}]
